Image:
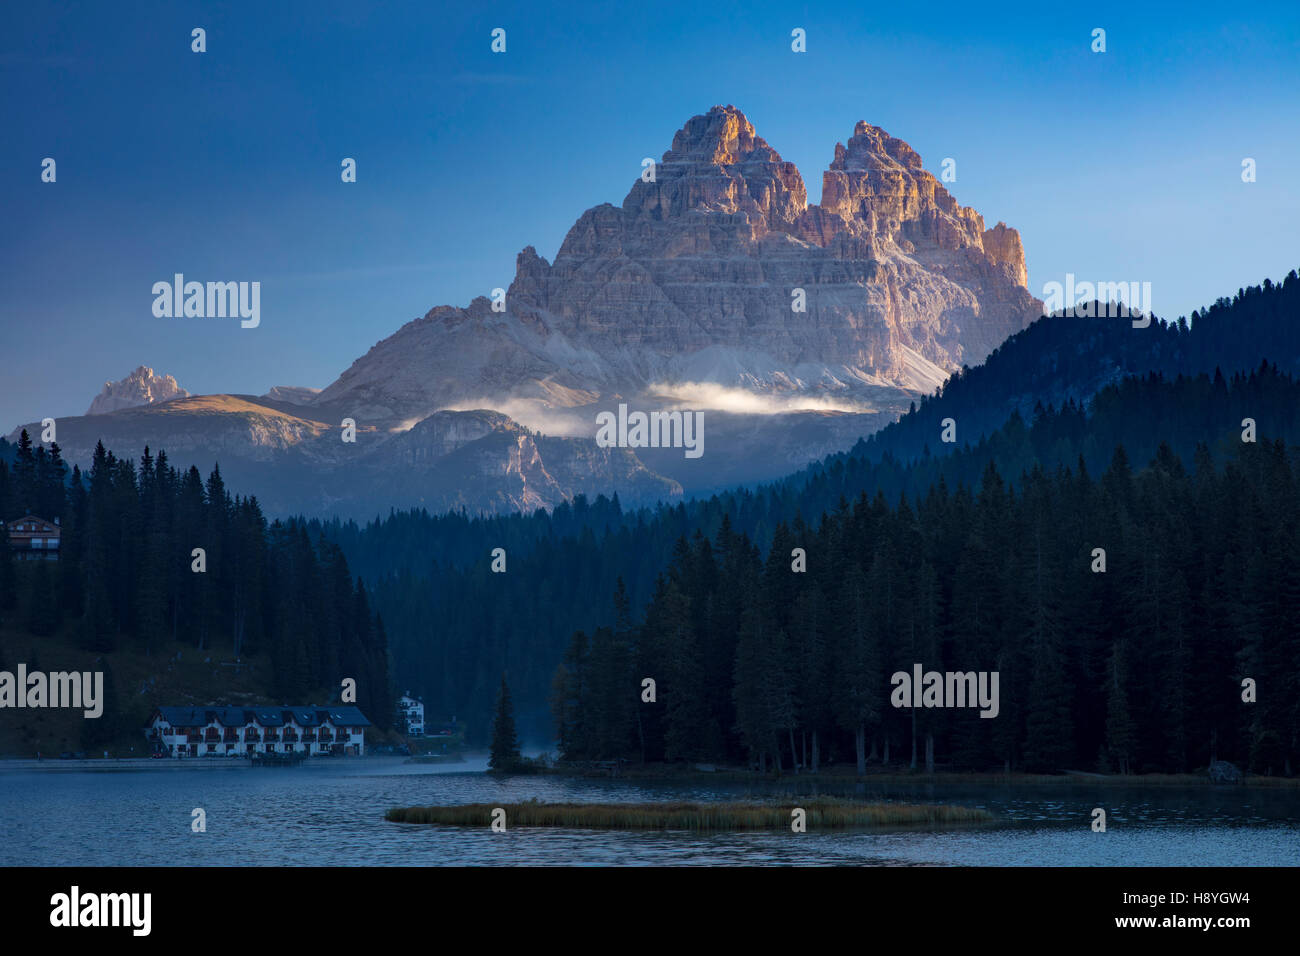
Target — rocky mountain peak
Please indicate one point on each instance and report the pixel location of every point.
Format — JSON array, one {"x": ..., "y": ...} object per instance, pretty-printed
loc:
[
  {"x": 719, "y": 164},
  {"x": 723, "y": 136},
  {"x": 872, "y": 148},
  {"x": 876, "y": 190},
  {"x": 141, "y": 387},
  {"x": 716, "y": 269}
]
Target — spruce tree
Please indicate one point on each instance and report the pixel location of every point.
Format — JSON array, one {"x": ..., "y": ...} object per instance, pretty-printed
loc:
[{"x": 505, "y": 743}]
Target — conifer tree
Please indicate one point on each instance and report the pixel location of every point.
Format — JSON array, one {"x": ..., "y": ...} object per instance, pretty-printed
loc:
[{"x": 505, "y": 753}]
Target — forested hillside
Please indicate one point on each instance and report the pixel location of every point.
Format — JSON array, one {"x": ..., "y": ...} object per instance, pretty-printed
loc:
[
  {"x": 126, "y": 577},
  {"x": 1062, "y": 357},
  {"x": 1056, "y": 360},
  {"x": 1134, "y": 664},
  {"x": 455, "y": 629},
  {"x": 455, "y": 625}
]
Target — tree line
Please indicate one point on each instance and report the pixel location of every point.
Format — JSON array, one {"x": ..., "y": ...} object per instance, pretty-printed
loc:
[
  {"x": 129, "y": 575},
  {"x": 1128, "y": 661},
  {"x": 1059, "y": 361},
  {"x": 456, "y": 626}
]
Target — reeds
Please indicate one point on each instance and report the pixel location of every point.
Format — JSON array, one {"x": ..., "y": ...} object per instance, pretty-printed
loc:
[{"x": 821, "y": 814}]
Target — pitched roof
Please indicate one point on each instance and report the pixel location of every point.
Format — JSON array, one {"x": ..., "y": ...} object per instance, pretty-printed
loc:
[
  {"x": 338, "y": 714},
  {"x": 46, "y": 526},
  {"x": 305, "y": 716},
  {"x": 269, "y": 716},
  {"x": 346, "y": 715}
]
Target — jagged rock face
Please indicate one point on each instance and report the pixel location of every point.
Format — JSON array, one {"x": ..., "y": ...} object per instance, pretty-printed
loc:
[
  {"x": 688, "y": 285},
  {"x": 692, "y": 279},
  {"x": 718, "y": 164},
  {"x": 479, "y": 459},
  {"x": 141, "y": 387}
]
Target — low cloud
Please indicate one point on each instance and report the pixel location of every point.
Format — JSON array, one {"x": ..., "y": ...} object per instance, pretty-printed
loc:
[
  {"x": 709, "y": 395},
  {"x": 566, "y": 423},
  {"x": 580, "y": 422}
]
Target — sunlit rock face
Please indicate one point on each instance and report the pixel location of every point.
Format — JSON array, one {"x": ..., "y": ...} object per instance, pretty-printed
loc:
[
  {"x": 141, "y": 387},
  {"x": 714, "y": 285},
  {"x": 695, "y": 278}
]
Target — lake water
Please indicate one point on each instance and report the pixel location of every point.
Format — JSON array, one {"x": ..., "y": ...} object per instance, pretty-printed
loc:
[{"x": 331, "y": 813}]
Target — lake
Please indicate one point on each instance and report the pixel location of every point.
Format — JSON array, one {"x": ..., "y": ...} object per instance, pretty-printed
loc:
[{"x": 331, "y": 813}]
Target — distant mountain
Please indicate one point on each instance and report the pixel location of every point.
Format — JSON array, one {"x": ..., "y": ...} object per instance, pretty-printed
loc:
[
  {"x": 715, "y": 286},
  {"x": 294, "y": 461},
  {"x": 141, "y": 387},
  {"x": 1061, "y": 363},
  {"x": 700, "y": 276},
  {"x": 1154, "y": 392}
]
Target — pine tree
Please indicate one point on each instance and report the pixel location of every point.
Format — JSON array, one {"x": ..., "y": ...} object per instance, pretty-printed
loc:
[
  {"x": 42, "y": 608},
  {"x": 8, "y": 576},
  {"x": 756, "y": 718},
  {"x": 1120, "y": 732},
  {"x": 24, "y": 478},
  {"x": 505, "y": 754}
]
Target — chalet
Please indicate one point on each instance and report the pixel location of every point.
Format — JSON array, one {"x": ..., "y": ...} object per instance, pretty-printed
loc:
[
  {"x": 337, "y": 730},
  {"x": 410, "y": 715},
  {"x": 34, "y": 539}
]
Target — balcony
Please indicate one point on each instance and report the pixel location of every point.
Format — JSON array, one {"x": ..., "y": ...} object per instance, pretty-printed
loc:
[
  {"x": 271, "y": 737},
  {"x": 308, "y": 737}
]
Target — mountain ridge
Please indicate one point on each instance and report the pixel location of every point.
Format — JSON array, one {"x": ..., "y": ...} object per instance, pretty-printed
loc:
[
  {"x": 899, "y": 287},
  {"x": 713, "y": 284}
]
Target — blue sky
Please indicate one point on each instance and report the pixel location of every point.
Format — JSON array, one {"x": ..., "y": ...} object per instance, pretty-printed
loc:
[{"x": 225, "y": 165}]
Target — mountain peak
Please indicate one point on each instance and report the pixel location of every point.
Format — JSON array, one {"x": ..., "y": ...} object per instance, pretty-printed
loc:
[
  {"x": 716, "y": 270},
  {"x": 141, "y": 387},
  {"x": 723, "y": 137},
  {"x": 870, "y": 146},
  {"x": 719, "y": 164},
  {"x": 876, "y": 189}
]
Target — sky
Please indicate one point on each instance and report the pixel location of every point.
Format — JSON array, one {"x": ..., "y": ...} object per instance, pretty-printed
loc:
[{"x": 225, "y": 165}]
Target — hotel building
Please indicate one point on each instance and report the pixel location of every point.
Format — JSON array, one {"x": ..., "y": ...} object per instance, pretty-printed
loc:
[{"x": 337, "y": 730}]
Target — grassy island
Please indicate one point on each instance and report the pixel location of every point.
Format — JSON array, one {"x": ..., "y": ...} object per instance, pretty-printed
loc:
[{"x": 821, "y": 814}]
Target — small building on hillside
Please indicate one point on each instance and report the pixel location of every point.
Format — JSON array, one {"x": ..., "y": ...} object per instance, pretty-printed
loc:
[
  {"x": 336, "y": 730},
  {"x": 410, "y": 715},
  {"x": 34, "y": 539}
]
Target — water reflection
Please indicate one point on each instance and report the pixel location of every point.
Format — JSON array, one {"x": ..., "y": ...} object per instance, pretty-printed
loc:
[{"x": 332, "y": 813}]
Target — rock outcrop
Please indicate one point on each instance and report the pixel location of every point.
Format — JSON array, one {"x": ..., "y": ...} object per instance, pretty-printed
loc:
[
  {"x": 714, "y": 286},
  {"x": 696, "y": 278},
  {"x": 141, "y": 387},
  {"x": 294, "y": 463}
]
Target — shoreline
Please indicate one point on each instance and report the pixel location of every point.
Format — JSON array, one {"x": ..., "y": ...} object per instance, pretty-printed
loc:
[
  {"x": 636, "y": 773},
  {"x": 109, "y": 764},
  {"x": 661, "y": 774}
]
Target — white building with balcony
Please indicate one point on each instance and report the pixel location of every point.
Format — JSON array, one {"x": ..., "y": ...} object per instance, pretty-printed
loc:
[
  {"x": 337, "y": 730},
  {"x": 410, "y": 715}
]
